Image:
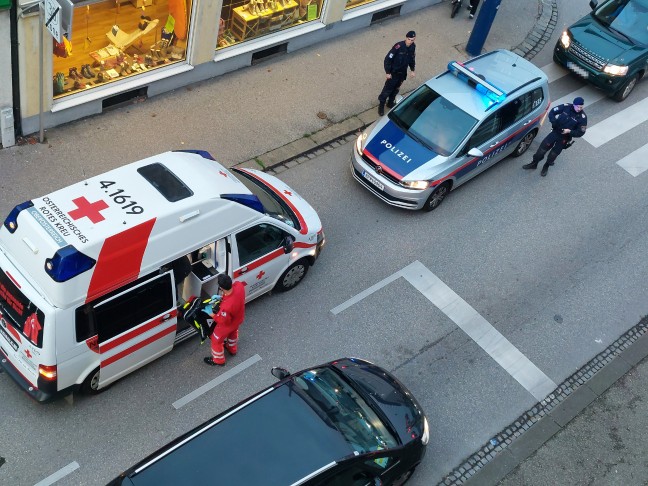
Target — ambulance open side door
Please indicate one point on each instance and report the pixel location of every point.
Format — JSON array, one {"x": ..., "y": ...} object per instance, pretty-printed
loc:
[{"x": 135, "y": 326}]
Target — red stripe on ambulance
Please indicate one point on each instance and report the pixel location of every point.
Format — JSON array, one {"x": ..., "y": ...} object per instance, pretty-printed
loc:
[
  {"x": 119, "y": 260},
  {"x": 103, "y": 348},
  {"x": 139, "y": 345}
]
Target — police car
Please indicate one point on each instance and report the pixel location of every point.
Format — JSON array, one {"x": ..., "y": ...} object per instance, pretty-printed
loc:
[{"x": 452, "y": 128}]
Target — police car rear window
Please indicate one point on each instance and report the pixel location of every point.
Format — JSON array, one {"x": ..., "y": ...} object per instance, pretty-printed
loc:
[{"x": 165, "y": 181}]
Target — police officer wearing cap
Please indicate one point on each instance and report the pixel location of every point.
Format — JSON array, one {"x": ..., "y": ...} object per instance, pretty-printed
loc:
[
  {"x": 402, "y": 55},
  {"x": 568, "y": 121}
]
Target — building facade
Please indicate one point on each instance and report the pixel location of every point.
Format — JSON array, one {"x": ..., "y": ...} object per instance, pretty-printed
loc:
[{"x": 114, "y": 51}]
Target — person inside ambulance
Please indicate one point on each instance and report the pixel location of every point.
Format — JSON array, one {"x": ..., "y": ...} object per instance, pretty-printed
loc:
[{"x": 229, "y": 317}]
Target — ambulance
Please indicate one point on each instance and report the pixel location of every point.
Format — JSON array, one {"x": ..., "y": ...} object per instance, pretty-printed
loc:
[{"x": 92, "y": 275}]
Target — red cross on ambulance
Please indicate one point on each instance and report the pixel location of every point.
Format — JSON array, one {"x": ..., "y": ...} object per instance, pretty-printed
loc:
[{"x": 86, "y": 209}]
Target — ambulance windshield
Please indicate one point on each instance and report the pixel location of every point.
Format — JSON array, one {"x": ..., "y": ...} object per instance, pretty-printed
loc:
[{"x": 18, "y": 315}]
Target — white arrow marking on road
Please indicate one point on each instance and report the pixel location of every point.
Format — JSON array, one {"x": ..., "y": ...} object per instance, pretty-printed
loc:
[
  {"x": 617, "y": 124},
  {"x": 469, "y": 320},
  {"x": 636, "y": 162},
  {"x": 61, "y": 473},
  {"x": 216, "y": 381}
]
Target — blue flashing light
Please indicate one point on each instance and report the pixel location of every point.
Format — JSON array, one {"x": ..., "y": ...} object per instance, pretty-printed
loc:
[
  {"x": 249, "y": 200},
  {"x": 67, "y": 262},
  {"x": 203, "y": 153},
  {"x": 494, "y": 94},
  {"x": 11, "y": 223}
]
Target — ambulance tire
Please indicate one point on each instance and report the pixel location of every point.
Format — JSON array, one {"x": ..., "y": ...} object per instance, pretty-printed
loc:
[
  {"x": 294, "y": 274},
  {"x": 90, "y": 384}
]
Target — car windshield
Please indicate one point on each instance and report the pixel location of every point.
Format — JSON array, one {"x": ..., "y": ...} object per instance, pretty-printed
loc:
[
  {"x": 629, "y": 17},
  {"x": 432, "y": 120},
  {"x": 345, "y": 409}
]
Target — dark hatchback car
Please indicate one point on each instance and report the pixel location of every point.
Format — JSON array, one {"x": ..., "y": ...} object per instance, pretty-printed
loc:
[
  {"x": 344, "y": 423},
  {"x": 609, "y": 46}
]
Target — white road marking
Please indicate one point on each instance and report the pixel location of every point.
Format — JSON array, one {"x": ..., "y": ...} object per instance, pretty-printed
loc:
[
  {"x": 554, "y": 71},
  {"x": 589, "y": 94},
  {"x": 216, "y": 381},
  {"x": 473, "y": 324},
  {"x": 636, "y": 162},
  {"x": 60, "y": 474},
  {"x": 617, "y": 124}
]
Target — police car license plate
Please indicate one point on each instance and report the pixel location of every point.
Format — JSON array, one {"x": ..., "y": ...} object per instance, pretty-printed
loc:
[{"x": 373, "y": 180}]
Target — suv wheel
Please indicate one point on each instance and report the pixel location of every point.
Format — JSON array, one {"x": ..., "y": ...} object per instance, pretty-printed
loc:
[
  {"x": 524, "y": 144},
  {"x": 437, "y": 197},
  {"x": 626, "y": 89}
]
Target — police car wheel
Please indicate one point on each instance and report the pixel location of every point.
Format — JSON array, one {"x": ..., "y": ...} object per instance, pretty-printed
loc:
[
  {"x": 524, "y": 144},
  {"x": 626, "y": 89},
  {"x": 437, "y": 197},
  {"x": 294, "y": 274},
  {"x": 91, "y": 383}
]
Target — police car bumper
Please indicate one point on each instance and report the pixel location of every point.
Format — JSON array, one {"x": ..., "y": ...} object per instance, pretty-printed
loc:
[{"x": 390, "y": 192}]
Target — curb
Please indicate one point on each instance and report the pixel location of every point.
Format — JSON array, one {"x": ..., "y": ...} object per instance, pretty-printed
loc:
[{"x": 312, "y": 145}]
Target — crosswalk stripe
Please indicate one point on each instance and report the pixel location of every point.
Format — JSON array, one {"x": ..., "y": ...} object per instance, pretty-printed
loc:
[
  {"x": 617, "y": 124},
  {"x": 554, "y": 71},
  {"x": 636, "y": 162},
  {"x": 589, "y": 94}
]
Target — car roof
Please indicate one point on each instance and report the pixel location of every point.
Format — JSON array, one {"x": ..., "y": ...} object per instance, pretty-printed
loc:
[
  {"x": 275, "y": 435},
  {"x": 503, "y": 69}
]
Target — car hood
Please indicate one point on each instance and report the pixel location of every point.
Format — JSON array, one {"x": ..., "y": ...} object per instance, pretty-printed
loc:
[
  {"x": 396, "y": 152},
  {"x": 603, "y": 42}
]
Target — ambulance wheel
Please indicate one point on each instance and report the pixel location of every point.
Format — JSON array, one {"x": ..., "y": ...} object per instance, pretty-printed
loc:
[
  {"x": 293, "y": 275},
  {"x": 437, "y": 197},
  {"x": 525, "y": 143},
  {"x": 90, "y": 385}
]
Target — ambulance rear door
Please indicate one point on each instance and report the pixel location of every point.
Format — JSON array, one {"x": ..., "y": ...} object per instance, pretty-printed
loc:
[
  {"x": 134, "y": 326},
  {"x": 261, "y": 255}
]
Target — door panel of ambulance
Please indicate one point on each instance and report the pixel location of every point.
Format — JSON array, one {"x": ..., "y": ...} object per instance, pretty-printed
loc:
[
  {"x": 261, "y": 257},
  {"x": 135, "y": 326}
]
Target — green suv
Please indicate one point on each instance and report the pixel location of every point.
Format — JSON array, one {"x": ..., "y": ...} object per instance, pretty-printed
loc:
[{"x": 609, "y": 46}]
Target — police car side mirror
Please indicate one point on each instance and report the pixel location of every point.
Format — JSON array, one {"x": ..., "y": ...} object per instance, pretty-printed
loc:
[
  {"x": 593, "y": 4},
  {"x": 399, "y": 98},
  {"x": 288, "y": 244},
  {"x": 280, "y": 373},
  {"x": 475, "y": 152}
]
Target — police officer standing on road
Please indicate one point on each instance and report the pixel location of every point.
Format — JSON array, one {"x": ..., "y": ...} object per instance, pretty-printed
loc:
[
  {"x": 402, "y": 55},
  {"x": 567, "y": 121}
]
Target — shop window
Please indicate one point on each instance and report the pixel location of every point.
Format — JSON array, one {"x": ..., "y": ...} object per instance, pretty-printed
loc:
[
  {"x": 357, "y": 3},
  {"x": 117, "y": 39},
  {"x": 242, "y": 20}
]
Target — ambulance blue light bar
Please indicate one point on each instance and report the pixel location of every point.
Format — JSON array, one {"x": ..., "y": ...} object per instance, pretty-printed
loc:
[
  {"x": 11, "y": 223},
  {"x": 66, "y": 263},
  {"x": 203, "y": 153},
  {"x": 484, "y": 87},
  {"x": 249, "y": 200}
]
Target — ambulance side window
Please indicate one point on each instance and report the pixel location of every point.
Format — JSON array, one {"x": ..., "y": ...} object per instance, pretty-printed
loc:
[
  {"x": 258, "y": 241},
  {"x": 135, "y": 307}
]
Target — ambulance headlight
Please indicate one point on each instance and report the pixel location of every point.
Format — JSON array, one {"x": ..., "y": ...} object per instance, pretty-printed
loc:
[
  {"x": 614, "y": 70},
  {"x": 418, "y": 185},
  {"x": 11, "y": 223},
  {"x": 360, "y": 143},
  {"x": 565, "y": 39}
]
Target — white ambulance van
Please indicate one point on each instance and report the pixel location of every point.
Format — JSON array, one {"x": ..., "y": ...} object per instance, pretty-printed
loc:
[{"x": 92, "y": 275}]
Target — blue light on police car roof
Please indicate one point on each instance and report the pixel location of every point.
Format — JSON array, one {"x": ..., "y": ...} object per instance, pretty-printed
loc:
[
  {"x": 494, "y": 94},
  {"x": 66, "y": 263},
  {"x": 11, "y": 223}
]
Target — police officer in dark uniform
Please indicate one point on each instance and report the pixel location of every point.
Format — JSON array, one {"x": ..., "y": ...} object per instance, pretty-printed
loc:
[
  {"x": 400, "y": 56},
  {"x": 568, "y": 121}
]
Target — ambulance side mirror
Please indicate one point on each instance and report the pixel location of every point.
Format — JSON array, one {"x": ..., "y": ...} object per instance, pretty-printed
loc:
[{"x": 288, "y": 244}]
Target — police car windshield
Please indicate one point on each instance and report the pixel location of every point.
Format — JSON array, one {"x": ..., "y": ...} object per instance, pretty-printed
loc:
[
  {"x": 628, "y": 18},
  {"x": 432, "y": 120}
]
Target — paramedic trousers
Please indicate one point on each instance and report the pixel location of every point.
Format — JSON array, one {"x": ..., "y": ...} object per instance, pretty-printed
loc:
[{"x": 223, "y": 338}]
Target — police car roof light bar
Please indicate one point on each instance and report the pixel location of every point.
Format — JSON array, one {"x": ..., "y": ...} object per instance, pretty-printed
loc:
[{"x": 481, "y": 85}]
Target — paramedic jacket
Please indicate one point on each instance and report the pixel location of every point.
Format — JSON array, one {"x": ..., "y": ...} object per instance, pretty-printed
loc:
[
  {"x": 399, "y": 57},
  {"x": 564, "y": 116}
]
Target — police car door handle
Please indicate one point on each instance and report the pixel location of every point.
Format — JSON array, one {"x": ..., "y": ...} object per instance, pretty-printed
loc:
[
  {"x": 529, "y": 121},
  {"x": 495, "y": 144}
]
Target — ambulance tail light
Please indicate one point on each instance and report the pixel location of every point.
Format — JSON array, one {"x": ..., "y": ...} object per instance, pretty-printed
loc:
[
  {"x": 202, "y": 153},
  {"x": 66, "y": 263},
  {"x": 47, "y": 372},
  {"x": 249, "y": 200},
  {"x": 11, "y": 223}
]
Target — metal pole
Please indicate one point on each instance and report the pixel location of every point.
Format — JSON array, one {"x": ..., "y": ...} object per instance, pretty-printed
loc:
[
  {"x": 482, "y": 26},
  {"x": 41, "y": 85}
]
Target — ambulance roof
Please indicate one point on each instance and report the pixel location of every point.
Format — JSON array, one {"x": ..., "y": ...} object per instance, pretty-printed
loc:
[{"x": 129, "y": 220}]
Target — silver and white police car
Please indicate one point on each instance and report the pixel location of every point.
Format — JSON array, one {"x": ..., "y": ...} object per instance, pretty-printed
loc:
[{"x": 452, "y": 128}]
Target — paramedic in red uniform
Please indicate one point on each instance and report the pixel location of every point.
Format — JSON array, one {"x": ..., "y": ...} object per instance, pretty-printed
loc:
[{"x": 228, "y": 319}]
